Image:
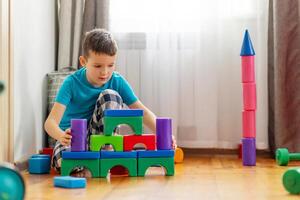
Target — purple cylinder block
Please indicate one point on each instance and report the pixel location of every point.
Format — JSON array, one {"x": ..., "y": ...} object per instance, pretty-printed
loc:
[
  {"x": 164, "y": 133},
  {"x": 79, "y": 134},
  {"x": 249, "y": 151}
]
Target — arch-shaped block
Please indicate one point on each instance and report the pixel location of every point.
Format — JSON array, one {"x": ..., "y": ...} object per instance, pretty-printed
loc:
[
  {"x": 68, "y": 165},
  {"x": 97, "y": 141},
  {"x": 129, "y": 163},
  {"x": 110, "y": 123},
  {"x": 147, "y": 139},
  {"x": 145, "y": 163}
]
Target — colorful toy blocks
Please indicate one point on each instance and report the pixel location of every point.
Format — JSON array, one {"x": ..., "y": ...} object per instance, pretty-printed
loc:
[
  {"x": 131, "y": 140},
  {"x": 39, "y": 164},
  {"x": 69, "y": 182},
  {"x": 249, "y": 102},
  {"x": 100, "y": 162}
]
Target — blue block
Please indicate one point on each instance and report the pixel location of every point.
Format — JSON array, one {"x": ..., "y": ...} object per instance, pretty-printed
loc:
[
  {"x": 156, "y": 154},
  {"x": 118, "y": 154},
  {"x": 247, "y": 47},
  {"x": 83, "y": 155},
  {"x": 40, "y": 156},
  {"x": 69, "y": 182},
  {"x": 39, "y": 165},
  {"x": 123, "y": 113}
]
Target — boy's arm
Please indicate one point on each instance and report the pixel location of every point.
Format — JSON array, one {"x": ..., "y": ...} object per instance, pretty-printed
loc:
[
  {"x": 52, "y": 124},
  {"x": 149, "y": 116}
]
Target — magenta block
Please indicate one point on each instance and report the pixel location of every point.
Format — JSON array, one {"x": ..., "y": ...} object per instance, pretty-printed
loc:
[
  {"x": 248, "y": 74},
  {"x": 249, "y": 151},
  {"x": 79, "y": 135},
  {"x": 249, "y": 125},
  {"x": 164, "y": 133},
  {"x": 249, "y": 96}
]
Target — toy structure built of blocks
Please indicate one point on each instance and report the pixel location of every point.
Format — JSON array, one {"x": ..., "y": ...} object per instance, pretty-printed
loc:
[
  {"x": 69, "y": 182},
  {"x": 97, "y": 141},
  {"x": 39, "y": 164}
]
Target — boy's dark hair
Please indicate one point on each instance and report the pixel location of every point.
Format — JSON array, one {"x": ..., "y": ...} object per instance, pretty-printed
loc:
[{"x": 99, "y": 41}]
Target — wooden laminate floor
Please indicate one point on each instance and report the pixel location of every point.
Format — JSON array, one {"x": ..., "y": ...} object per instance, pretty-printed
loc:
[{"x": 199, "y": 177}]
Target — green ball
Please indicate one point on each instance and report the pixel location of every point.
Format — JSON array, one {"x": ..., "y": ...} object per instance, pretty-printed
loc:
[
  {"x": 282, "y": 156},
  {"x": 12, "y": 184},
  {"x": 291, "y": 180}
]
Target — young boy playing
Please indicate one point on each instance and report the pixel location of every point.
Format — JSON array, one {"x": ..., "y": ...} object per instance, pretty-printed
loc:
[{"x": 89, "y": 91}]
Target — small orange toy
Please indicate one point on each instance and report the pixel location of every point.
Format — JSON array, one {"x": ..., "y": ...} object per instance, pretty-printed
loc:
[{"x": 179, "y": 155}]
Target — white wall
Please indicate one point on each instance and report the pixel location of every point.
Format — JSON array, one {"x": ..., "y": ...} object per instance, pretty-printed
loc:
[{"x": 34, "y": 56}]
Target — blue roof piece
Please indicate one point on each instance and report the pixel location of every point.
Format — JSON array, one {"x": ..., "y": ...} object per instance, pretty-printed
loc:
[
  {"x": 118, "y": 154},
  {"x": 82, "y": 155},
  {"x": 123, "y": 113},
  {"x": 247, "y": 47},
  {"x": 69, "y": 182},
  {"x": 40, "y": 156},
  {"x": 156, "y": 154}
]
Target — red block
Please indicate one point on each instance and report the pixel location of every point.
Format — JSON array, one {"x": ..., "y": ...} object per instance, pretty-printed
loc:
[
  {"x": 48, "y": 151},
  {"x": 249, "y": 96},
  {"x": 248, "y": 74},
  {"x": 147, "y": 139},
  {"x": 249, "y": 125}
]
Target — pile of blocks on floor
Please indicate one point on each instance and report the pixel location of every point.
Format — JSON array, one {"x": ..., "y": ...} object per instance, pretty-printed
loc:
[{"x": 158, "y": 149}]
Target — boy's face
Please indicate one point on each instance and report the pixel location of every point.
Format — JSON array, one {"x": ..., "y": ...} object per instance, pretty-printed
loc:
[{"x": 99, "y": 67}]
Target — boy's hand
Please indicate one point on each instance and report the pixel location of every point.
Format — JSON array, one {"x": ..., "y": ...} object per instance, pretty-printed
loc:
[
  {"x": 174, "y": 143},
  {"x": 65, "y": 139}
]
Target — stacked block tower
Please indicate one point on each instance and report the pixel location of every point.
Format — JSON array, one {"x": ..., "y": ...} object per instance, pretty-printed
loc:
[
  {"x": 99, "y": 161},
  {"x": 249, "y": 102}
]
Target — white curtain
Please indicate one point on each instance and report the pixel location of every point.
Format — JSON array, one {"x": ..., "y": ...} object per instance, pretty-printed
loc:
[{"x": 182, "y": 58}]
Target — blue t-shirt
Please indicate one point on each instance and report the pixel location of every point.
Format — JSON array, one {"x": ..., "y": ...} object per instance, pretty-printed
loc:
[{"x": 79, "y": 96}]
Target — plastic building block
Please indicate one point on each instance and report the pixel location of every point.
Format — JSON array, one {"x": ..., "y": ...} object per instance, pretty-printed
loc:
[
  {"x": 12, "y": 183},
  {"x": 79, "y": 134},
  {"x": 39, "y": 164},
  {"x": 249, "y": 151},
  {"x": 68, "y": 165},
  {"x": 123, "y": 113},
  {"x": 97, "y": 141},
  {"x": 248, "y": 74},
  {"x": 283, "y": 156},
  {"x": 118, "y": 154},
  {"x": 40, "y": 156},
  {"x": 156, "y": 154},
  {"x": 84, "y": 155},
  {"x": 145, "y": 163},
  {"x": 129, "y": 163},
  {"x": 249, "y": 127},
  {"x": 164, "y": 133},
  {"x": 69, "y": 182},
  {"x": 291, "y": 180},
  {"x": 110, "y": 123},
  {"x": 48, "y": 151},
  {"x": 147, "y": 139},
  {"x": 179, "y": 155},
  {"x": 249, "y": 96},
  {"x": 247, "y": 47}
]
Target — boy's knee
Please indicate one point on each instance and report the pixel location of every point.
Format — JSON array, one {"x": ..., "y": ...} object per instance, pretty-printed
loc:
[
  {"x": 109, "y": 92},
  {"x": 109, "y": 95}
]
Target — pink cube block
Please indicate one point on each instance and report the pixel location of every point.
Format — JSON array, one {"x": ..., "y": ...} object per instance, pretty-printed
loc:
[
  {"x": 249, "y": 125},
  {"x": 248, "y": 74},
  {"x": 249, "y": 96}
]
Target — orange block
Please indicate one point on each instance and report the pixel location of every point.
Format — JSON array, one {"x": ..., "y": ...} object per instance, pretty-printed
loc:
[{"x": 179, "y": 155}]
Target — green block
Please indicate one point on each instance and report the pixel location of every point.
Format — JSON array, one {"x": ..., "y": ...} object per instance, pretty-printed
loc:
[
  {"x": 68, "y": 165},
  {"x": 97, "y": 141},
  {"x": 145, "y": 163},
  {"x": 110, "y": 123},
  {"x": 107, "y": 164}
]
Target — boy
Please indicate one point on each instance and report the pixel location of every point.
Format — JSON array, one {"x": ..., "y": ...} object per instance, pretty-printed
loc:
[{"x": 89, "y": 91}]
